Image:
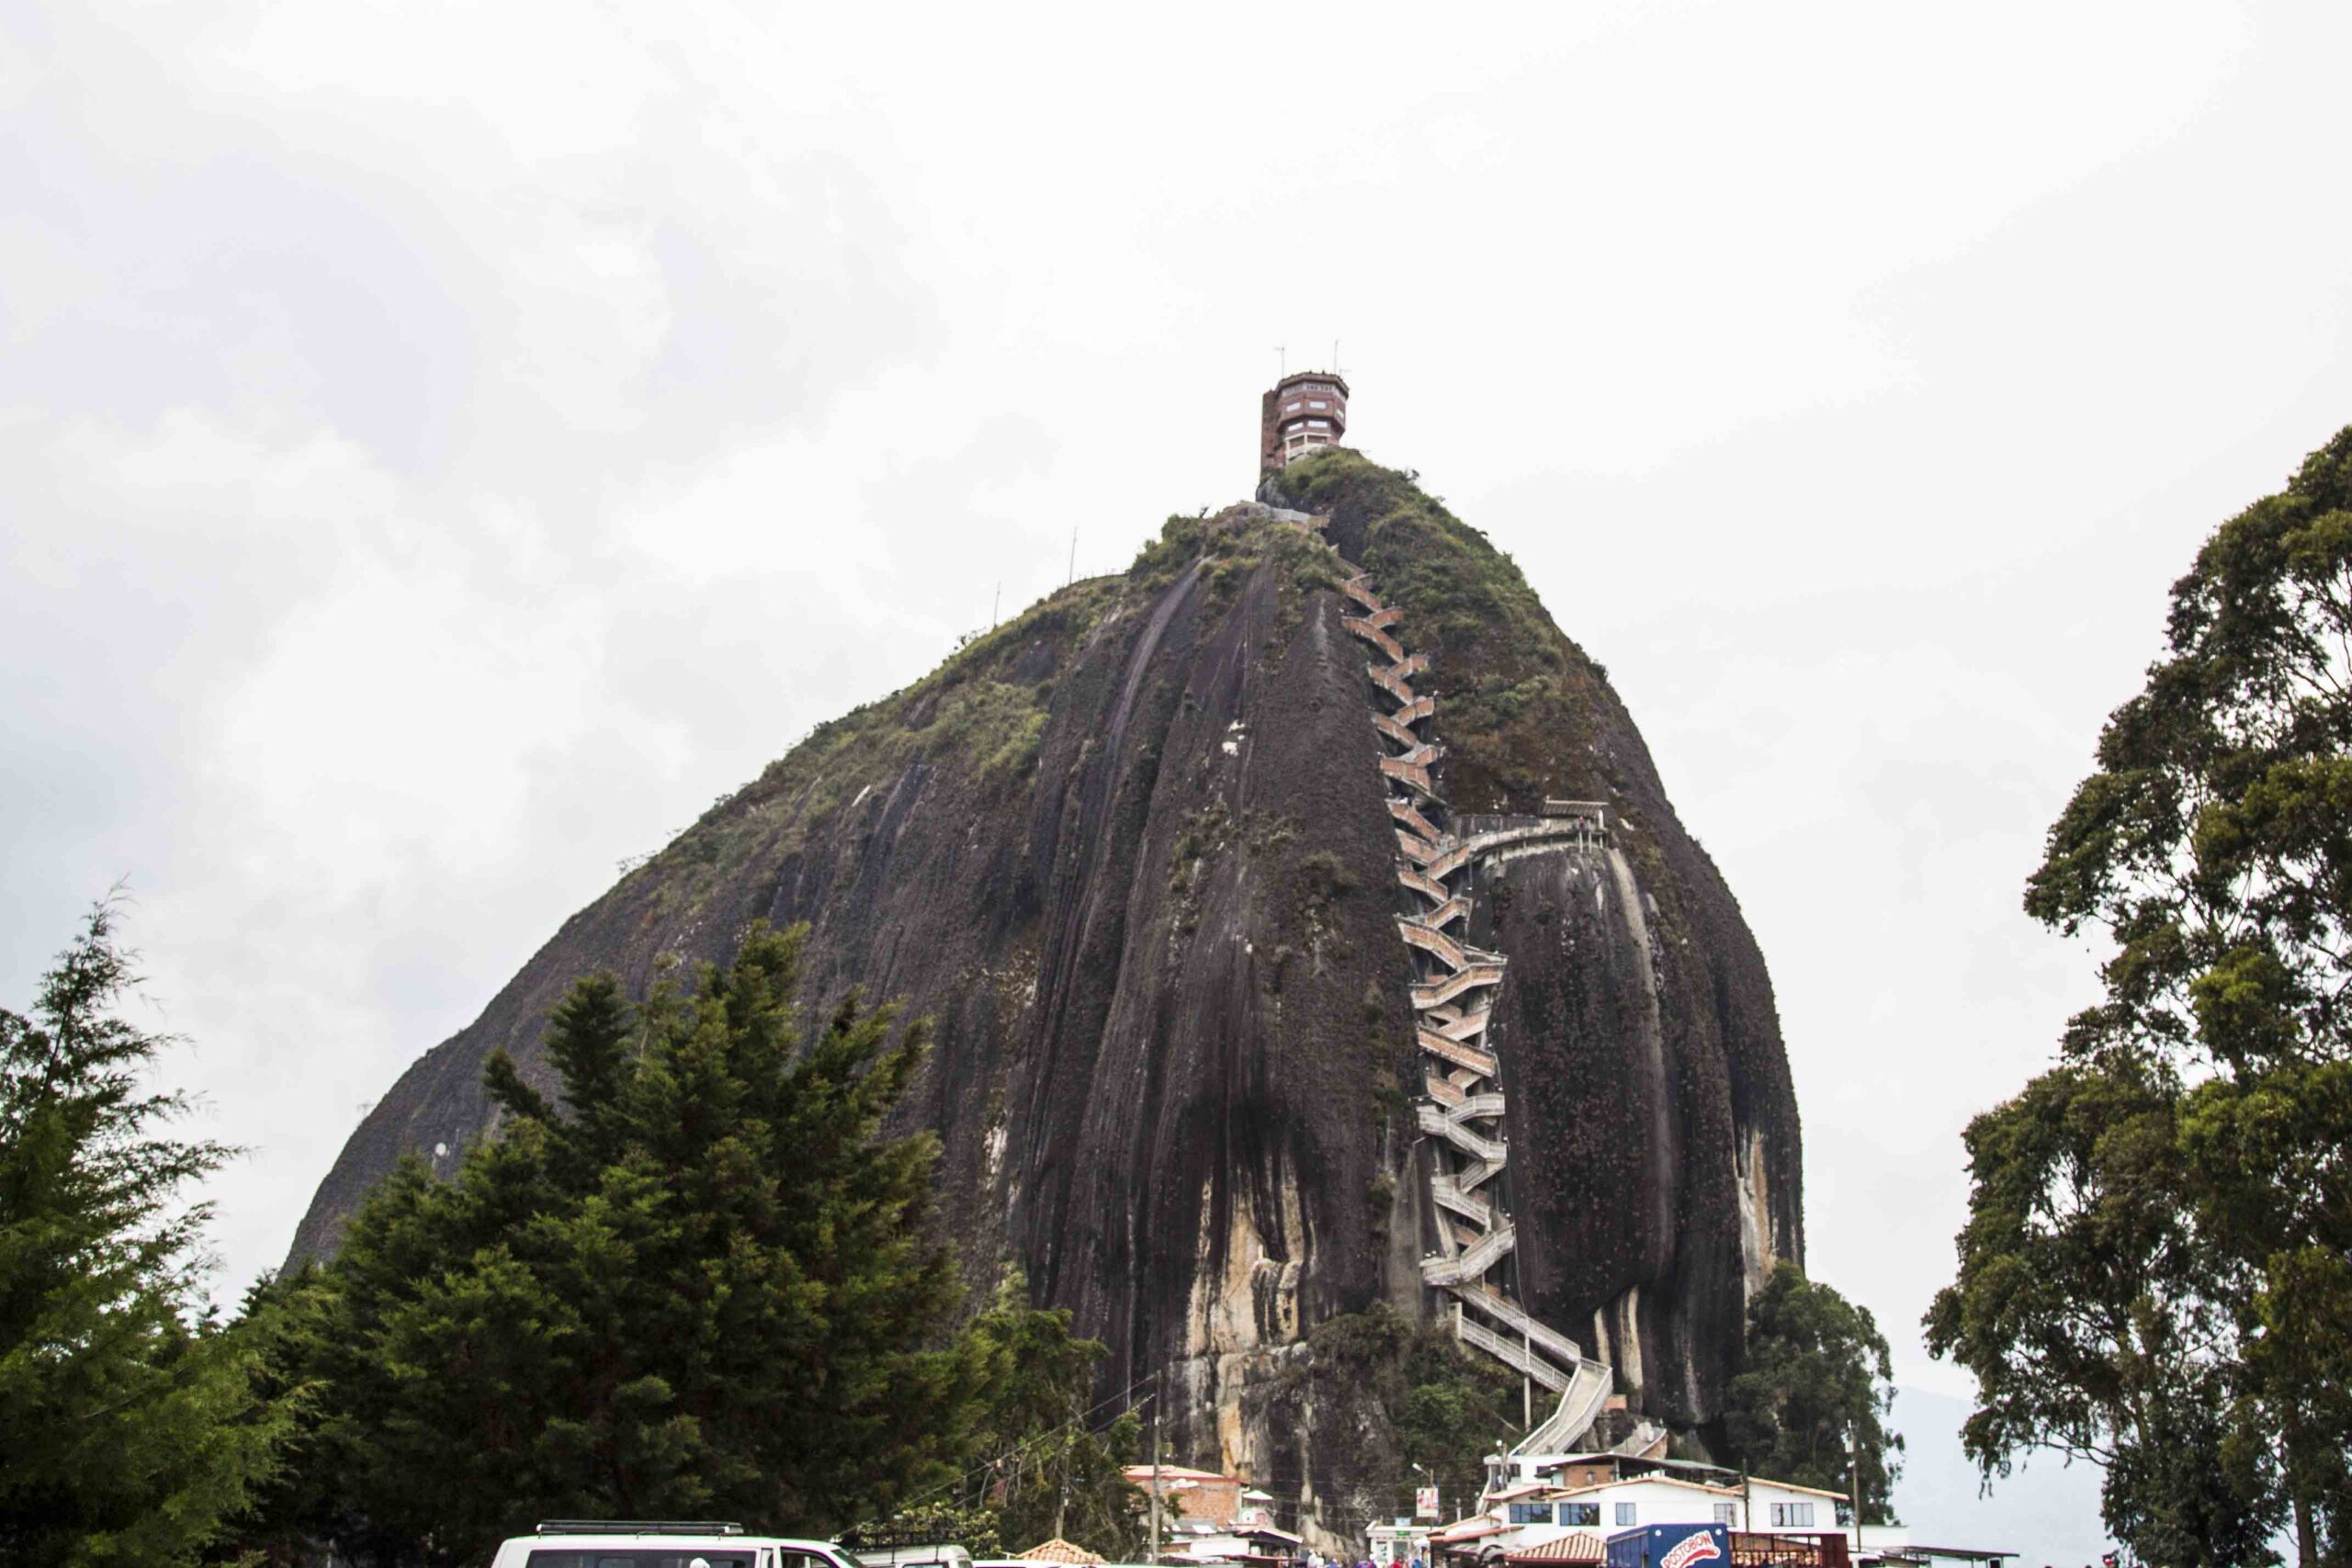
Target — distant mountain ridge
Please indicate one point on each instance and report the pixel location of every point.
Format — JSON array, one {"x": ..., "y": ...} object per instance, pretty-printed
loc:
[{"x": 2045, "y": 1509}]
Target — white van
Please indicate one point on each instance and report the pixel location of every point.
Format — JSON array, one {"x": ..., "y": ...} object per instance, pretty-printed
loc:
[
  {"x": 945, "y": 1554},
  {"x": 663, "y": 1543}
]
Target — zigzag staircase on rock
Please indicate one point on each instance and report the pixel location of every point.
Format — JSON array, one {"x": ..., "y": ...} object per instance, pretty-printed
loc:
[{"x": 1454, "y": 989}]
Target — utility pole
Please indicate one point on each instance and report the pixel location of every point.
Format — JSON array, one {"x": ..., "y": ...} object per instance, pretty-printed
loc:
[
  {"x": 1061, "y": 1491},
  {"x": 1073, "y": 555},
  {"x": 1159, "y": 1387},
  {"x": 1854, "y": 1474},
  {"x": 996, "y": 603}
]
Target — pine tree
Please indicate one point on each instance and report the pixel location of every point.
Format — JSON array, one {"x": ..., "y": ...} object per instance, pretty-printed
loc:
[
  {"x": 131, "y": 1427},
  {"x": 703, "y": 1287}
]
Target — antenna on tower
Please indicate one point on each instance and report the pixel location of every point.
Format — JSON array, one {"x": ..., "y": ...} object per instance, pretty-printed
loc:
[
  {"x": 996, "y": 601},
  {"x": 1281, "y": 361},
  {"x": 1335, "y": 356}
]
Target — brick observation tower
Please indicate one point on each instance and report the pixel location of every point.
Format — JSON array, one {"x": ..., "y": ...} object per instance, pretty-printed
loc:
[{"x": 1303, "y": 413}]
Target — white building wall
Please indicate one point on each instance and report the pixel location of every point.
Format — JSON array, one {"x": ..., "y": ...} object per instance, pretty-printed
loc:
[
  {"x": 1656, "y": 1501},
  {"x": 1765, "y": 1495},
  {"x": 1652, "y": 1502}
]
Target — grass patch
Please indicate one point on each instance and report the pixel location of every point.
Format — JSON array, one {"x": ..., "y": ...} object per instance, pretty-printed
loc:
[{"x": 981, "y": 714}]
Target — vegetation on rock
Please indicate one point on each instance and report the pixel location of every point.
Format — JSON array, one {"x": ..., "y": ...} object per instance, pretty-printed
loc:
[
  {"x": 982, "y": 712},
  {"x": 1441, "y": 1409},
  {"x": 1228, "y": 546},
  {"x": 1519, "y": 698}
]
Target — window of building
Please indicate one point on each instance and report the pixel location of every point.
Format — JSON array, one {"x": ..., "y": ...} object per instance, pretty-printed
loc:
[
  {"x": 1624, "y": 1513},
  {"x": 1726, "y": 1513},
  {"x": 1317, "y": 405},
  {"x": 1290, "y": 408},
  {"x": 1792, "y": 1515},
  {"x": 1586, "y": 1515},
  {"x": 1531, "y": 1513}
]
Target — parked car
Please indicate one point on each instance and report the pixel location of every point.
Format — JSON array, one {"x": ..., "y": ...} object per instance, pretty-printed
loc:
[{"x": 664, "y": 1544}]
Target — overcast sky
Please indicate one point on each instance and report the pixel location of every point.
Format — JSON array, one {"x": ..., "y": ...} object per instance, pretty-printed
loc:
[{"x": 447, "y": 449}]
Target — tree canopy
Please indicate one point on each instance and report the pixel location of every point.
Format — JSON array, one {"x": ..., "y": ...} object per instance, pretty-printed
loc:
[
  {"x": 701, "y": 1284},
  {"x": 130, "y": 1425},
  {"x": 2155, "y": 1271},
  {"x": 1049, "y": 1471},
  {"x": 1812, "y": 1397},
  {"x": 707, "y": 1289}
]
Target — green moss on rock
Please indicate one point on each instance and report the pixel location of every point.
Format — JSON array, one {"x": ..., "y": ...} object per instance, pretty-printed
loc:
[{"x": 1511, "y": 686}]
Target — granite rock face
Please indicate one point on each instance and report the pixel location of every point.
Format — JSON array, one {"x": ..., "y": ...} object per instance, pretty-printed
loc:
[{"x": 1132, "y": 853}]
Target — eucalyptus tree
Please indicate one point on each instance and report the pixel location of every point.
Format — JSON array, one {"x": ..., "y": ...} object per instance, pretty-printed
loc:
[
  {"x": 2157, "y": 1268},
  {"x": 1813, "y": 1392}
]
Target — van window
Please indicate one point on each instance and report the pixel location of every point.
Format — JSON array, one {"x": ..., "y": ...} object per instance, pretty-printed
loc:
[{"x": 640, "y": 1557}]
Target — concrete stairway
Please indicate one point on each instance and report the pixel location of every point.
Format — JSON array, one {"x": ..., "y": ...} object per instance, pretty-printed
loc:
[{"x": 1454, "y": 992}]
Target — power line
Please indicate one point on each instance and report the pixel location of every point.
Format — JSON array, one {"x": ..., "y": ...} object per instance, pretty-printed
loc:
[{"x": 1074, "y": 1422}]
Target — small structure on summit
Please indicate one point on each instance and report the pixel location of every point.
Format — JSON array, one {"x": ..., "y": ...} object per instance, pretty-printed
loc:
[{"x": 1302, "y": 413}]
